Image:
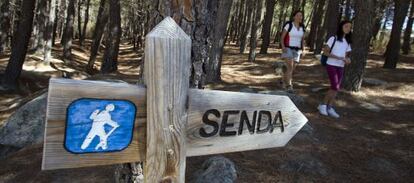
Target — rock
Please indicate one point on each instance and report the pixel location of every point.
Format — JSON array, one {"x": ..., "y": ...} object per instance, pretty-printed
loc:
[
  {"x": 306, "y": 134},
  {"x": 26, "y": 125},
  {"x": 248, "y": 90},
  {"x": 371, "y": 107},
  {"x": 217, "y": 169},
  {"x": 307, "y": 129},
  {"x": 298, "y": 100},
  {"x": 306, "y": 164},
  {"x": 280, "y": 68},
  {"x": 383, "y": 166},
  {"x": 319, "y": 89},
  {"x": 7, "y": 150},
  {"x": 374, "y": 82}
]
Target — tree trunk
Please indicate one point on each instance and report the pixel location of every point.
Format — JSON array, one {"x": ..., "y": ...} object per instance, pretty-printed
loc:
[
  {"x": 57, "y": 19},
  {"x": 295, "y": 5},
  {"x": 379, "y": 16},
  {"x": 315, "y": 25},
  {"x": 213, "y": 67},
  {"x": 307, "y": 19},
  {"x": 85, "y": 23},
  {"x": 282, "y": 18},
  {"x": 68, "y": 31},
  {"x": 110, "y": 58},
  {"x": 101, "y": 21},
  {"x": 4, "y": 25},
  {"x": 362, "y": 34},
  {"x": 80, "y": 2},
  {"x": 49, "y": 30},
  {"x": 348, "y": 10},
  {"x": 406, "y": 47},
  {"x": 19, "y": 49},
  {"x": 41, "y": 25},
  {"x": 267, "y": 25},
  {"x": 16, "y": 18},
  {"x": 330, "y": 24},
  {"x": 241, "y": 22},
  {"x": 256, "y": 24},
  {"x": 247, "y": 27},
  {"x": 392, "y": 54},
  {"x": 303, "y": 6},
  {"x": 62, "y": 13}
]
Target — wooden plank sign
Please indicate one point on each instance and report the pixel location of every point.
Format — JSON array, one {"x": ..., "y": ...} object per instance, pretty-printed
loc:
[
  {"x": 167, "y": 76},
  {"x": 90, "y": 123},
  {"x": 221, "y": 122}
]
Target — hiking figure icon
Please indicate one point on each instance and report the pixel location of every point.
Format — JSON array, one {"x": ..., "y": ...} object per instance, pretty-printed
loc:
[{"x": 99, "y": 120}]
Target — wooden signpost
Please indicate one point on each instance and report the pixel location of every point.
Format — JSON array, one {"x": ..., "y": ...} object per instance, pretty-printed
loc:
[{"x": 91, "y": 123}]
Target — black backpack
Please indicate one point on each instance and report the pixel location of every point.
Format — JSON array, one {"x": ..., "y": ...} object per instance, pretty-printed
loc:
[{"x": 324, "y": 58}]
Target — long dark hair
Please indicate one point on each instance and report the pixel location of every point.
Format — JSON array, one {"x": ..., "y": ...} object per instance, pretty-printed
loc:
[{"x": 340, "y": 32}]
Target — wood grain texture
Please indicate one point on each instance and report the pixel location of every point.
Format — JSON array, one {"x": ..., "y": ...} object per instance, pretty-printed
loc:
[
  {"x": 203, "y": 100},
  {"x": 62, "y": 92},
  {"x": 167, "y": 73}
]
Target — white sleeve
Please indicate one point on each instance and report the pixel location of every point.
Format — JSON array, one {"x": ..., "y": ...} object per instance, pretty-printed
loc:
[
  {"x": 349, "y": 49},
  {"x": 330, "y": 41}
]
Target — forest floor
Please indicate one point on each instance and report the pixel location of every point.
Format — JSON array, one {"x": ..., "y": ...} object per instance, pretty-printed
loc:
[{"x": 371, "y": 142}]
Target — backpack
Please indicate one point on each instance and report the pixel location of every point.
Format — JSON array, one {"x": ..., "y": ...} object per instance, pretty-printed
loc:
[
  {"x": 324, "y": 58},
  {"x": 287, "y": 38}
]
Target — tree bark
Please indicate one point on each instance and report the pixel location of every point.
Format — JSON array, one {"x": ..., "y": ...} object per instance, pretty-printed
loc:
[
  {"x": 282, "y": 17},
  {"x": 295, "y": 5},
  {"x": 58, "y": 6},
  {"x": 392, "y": 54},
  {"x": 16, "y": 18},
  {"x": 4, "y": 25},
  {"x": 241, "y": 22},
  {"x": 79, "y": 11},
  {"x": 41, "y": 25},
  {"x": 379, "y": 16},
  {"x": 85, "y": 22},
  {"x": 330, "y": 24},
  {"x": 68, "y": 31},
  {"x": 110, "y": 59},
  {"x": 406, "y": 47},
  {"x": 247, "y": 27},
  {"x": 256, "y": 24},
  {"x": 303, "y": 6},
  {"x": 362, "y": 35},
  {"x": 49, "y": 30},
  {"x": 19, "y": 49},
  {"x": 316, "y": 24},
  {"x": 348, "y": 10},
  {"x": 267, "y": 25},
  {"x": 101, "y": 21},
  {"x": 213, "y": 67},
  {"x": 62, "y": 13}
]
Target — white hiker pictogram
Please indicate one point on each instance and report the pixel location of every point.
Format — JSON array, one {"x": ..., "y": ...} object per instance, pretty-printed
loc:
[{"x": 100, "y": 119}]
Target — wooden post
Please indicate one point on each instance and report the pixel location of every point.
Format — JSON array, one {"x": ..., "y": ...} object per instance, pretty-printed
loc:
[{"x": 167, "y": 73}]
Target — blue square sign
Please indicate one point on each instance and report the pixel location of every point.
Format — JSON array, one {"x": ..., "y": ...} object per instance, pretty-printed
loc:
[{"x": 99, "y": 125}]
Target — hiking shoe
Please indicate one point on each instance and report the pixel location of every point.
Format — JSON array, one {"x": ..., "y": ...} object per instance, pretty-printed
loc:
[
  {"x": 332, "y": 113},
  {"x": 323, "y": 110}
]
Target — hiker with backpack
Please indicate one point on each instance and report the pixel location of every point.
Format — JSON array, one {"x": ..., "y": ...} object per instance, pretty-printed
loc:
[
  {"x": 335, "y": 56},
  {"x": 292, "y": 45}
]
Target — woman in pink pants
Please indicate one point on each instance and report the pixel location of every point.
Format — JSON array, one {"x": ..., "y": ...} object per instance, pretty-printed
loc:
[{"x": 338, "y": 57}]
